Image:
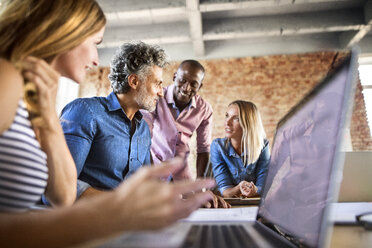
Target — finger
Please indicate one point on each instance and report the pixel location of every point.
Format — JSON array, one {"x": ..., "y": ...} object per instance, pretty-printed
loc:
[
  {"x": 224, "y": 203},
  {"x": 215, "y": 200},
  {"x": 42, "y": 69},
  {"x": 244, "y": 189},
  {"x": 40, "y": 84},
  {"x": 183, "y": 187},
  {"x": 41, "y": 64},
  {"x": 193, "y": 203},
  {"x": 166, "y": 169},
  {"x": 244, "y": 192},
  {"x": 45, "y": 94},
  {"x": 36, "y": 66},
  {"x": 250, "y": 190},
  {"x": 207, "y": 205}
]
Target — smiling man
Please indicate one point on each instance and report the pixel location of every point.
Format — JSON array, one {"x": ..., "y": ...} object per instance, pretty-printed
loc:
[
  {"x": 107, "y": 136},
  {"x": 178, "y": 115}
]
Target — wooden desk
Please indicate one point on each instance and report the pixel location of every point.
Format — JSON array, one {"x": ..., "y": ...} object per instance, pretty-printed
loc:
[{"x": 351, "y": 236}]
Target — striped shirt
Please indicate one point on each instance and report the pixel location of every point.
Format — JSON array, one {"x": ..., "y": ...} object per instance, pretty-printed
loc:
[{"x": 23, "y": 168}]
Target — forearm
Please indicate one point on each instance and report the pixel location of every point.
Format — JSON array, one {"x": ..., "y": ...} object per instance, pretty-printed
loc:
[
  {"x": 232, "y": 192},
  {"x": 90, "y": 192},
  {"x": 61, "y": 189},
  {"x": 61, "y": 227},
  {"x": 141, "y": 203},
  {"x": 202, "y": 160}
]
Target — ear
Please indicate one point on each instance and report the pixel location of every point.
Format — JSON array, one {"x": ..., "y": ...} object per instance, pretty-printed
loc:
[
  {"x": 174, "y": 76},
  {"x": 133, "y": 81},
  {"x": 201, "y": 85}
]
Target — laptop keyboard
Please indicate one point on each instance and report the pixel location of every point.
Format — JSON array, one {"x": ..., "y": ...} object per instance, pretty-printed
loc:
[{"x": 216, "y": 236}]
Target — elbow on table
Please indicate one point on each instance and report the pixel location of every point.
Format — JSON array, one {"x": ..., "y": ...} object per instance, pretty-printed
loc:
[{"x": 62, "y": 199}]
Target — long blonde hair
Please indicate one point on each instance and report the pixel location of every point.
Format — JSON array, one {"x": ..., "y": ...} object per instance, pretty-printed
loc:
[
  {"x": 45, "y": 28},
  {"x": 253, "y": 130}
]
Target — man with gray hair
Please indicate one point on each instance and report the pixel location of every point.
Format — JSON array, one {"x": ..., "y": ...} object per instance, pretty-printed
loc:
[{"x": 107, "y": 136}]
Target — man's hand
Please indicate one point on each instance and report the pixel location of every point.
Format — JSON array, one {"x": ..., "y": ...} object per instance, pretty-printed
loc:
[
  {"x": 143, "y": 202},
  {"x": 216, "y": 202}
]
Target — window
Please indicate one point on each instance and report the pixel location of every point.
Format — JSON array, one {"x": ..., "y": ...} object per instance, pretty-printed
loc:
[
  {"x": 68, "y": 91},
  {"x": 365, "y": 74}
]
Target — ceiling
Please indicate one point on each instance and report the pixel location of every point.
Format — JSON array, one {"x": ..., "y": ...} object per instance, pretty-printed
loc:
[{"x": 208, "y": 29}]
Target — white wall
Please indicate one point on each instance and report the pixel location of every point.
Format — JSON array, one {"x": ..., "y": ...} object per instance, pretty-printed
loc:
[{"x": 68, "y": 90}]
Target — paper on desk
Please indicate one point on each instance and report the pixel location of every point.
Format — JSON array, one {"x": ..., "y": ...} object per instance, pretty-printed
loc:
[
  {"x": 345, "y": 212},
  {"x": 223, "y": 214}
]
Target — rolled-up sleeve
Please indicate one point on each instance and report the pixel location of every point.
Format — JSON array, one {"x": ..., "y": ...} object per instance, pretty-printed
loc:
[
  {"x": 78, "y": 126},
  {"x": 81, "y": 187},
  {"x": 204, "y": 133},
  {"x": 219, "y": 167},
  {"x": 262, "y": 166}
]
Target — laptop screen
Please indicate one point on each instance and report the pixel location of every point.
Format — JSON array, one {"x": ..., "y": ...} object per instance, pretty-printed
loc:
[{"x": 304, "y": 148}]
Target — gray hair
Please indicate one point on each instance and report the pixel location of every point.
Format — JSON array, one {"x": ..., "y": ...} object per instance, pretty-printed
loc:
[{"x": 134, "y": 58}]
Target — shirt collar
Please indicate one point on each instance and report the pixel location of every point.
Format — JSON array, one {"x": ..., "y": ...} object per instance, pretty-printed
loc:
[
  {"x": 113, "y": 102},
  {"x": 114, "y": 105},
  {"x": 170, "y": 99},
  {"x": 231, "y": 151}
]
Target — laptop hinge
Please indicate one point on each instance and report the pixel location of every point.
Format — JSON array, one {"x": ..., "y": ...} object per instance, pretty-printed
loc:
[{"x": 272, "y": 236}]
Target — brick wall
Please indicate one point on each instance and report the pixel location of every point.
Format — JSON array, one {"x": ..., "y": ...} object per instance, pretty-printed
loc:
[{"x": 273, "y": 83}]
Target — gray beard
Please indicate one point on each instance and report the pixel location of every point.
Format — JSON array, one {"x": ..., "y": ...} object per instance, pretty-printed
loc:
[{"x": 144, "y": 101}]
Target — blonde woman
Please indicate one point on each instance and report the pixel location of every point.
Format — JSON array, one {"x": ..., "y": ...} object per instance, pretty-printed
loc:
[
  {"x": 240, "y": 160},
  {"x": 40, "y": 41}
]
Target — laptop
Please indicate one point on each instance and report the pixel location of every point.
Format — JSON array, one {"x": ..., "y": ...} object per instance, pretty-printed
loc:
[{"x": 304, "y": 174}]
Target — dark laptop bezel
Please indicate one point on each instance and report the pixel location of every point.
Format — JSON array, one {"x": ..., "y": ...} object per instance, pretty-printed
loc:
[{"x": 349, "y": 61}]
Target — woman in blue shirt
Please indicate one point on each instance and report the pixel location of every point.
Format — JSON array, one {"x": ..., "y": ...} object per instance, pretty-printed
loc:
[{"x": 240, "y": 160}]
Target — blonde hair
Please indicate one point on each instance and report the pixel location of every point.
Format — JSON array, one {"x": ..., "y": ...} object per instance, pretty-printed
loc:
[
  {"x": 253, "y": 130},
  {"x": 45, "y": 28}
]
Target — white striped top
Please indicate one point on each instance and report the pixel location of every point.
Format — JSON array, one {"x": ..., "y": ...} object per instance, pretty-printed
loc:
[{"x": 23, "y": 168}]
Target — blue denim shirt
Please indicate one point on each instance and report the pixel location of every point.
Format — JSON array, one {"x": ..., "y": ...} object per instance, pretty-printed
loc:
[
  {"x": 97, "y": 132},
  {"x": 229, "y": 170}
]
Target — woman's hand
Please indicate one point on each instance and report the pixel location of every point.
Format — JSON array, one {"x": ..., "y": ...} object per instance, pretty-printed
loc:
[
  {"x": 145, "y": 202},
  {"x": 62, "y": 177},
  {"x": 248, "y": 189},
  {"x": 45, "y": 80}
]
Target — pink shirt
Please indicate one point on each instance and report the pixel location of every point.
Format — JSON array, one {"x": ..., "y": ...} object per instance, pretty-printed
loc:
[{"x": 171, "y": 133}]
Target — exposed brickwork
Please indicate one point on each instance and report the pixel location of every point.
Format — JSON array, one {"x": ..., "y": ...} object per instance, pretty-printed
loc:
[
  {"x": 359, "y": 130},
  {"x": 96, "y": 83},
  {"x": 273, "y": 83}
]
